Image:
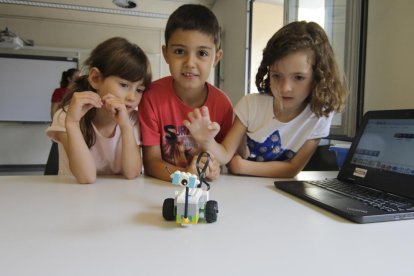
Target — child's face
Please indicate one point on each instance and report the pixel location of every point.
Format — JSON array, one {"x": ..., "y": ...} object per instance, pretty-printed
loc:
[
  {"x": 291, "y": 81},
  {"x": 74, "y": 76},
  {"x": 190, "y": 56},
  {"x": 129, "y": 93}
]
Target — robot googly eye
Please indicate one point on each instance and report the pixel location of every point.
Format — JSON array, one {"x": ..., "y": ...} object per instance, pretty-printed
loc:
[{"x": 184, "y": 179}]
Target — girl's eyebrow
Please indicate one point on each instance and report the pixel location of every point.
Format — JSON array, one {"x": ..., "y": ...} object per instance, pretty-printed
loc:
[
  {"x": 293, "y": 73},
  {"x": 301, "y": 73}
]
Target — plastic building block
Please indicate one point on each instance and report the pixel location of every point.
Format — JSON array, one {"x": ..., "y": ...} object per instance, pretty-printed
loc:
[{"x": 191, "y": 203}]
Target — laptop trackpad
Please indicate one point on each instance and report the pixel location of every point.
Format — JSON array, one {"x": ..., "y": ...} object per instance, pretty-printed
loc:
[
  {"x": 326, "y": 199},
  {"x": 322, "y": 194},
  {"x": 339, "y": 202}
]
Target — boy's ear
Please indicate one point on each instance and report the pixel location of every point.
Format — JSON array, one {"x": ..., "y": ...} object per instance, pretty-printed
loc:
[
  {"x": 94, "y": 77},
  {"x": 164, "y": 53},
  {"x": 217, "y": 58}
]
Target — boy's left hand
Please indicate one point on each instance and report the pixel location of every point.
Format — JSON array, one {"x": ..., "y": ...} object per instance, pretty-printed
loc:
[{"x": 213, "y": 169}]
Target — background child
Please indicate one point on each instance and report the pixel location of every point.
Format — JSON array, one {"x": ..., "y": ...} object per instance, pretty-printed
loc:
[
  {"x": 192, "y": 38},
  {"x": 67, "y": 77},
  {"x": 96, "y": 128},
  {"x": 280, "y": 128}
]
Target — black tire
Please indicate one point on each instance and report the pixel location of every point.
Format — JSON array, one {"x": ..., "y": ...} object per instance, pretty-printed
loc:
[
  {"x": 168, "y": 209},
  {"x": 211, "y": 211}
]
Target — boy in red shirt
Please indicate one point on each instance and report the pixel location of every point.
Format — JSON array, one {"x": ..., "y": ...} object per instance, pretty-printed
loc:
[{"x": 192, "y": 38}]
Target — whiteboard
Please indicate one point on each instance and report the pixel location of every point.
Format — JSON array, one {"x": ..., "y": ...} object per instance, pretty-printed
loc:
[{"x": 27, "y": 84}]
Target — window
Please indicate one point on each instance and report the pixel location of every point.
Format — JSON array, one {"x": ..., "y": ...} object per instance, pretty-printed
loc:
[
  {"x": 343, "y": 21},
  {"x": 267, "y": 18}
]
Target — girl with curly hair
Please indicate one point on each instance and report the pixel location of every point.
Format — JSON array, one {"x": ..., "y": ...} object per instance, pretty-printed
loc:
[{"x": 275, "y": 132}]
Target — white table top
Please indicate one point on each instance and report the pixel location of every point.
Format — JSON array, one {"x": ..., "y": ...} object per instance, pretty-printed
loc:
[{"x": 51, "y": 226}]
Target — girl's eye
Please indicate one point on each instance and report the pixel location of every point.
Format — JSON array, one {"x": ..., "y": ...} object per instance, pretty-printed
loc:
[
  {"x": 275, "y": 76},
  {"x": 203, "y": 54},
  {"x": 125, "y": 85},
  {"x": 299, "y": 78},
  {"x": 140, "y": 90}
]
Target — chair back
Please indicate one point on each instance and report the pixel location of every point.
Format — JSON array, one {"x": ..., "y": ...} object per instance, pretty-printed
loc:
[{"x": 52, "y": 164}]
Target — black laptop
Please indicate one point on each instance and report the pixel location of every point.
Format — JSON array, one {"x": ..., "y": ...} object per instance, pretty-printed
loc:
[{"x": 376, "y": 182}]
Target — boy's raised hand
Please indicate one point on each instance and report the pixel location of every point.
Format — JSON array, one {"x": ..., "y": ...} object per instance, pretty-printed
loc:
[{"x": 201, "y": 127}]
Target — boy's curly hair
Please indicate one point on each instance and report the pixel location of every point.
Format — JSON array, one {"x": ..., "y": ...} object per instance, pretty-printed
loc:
[{"x": 328, "y": 92}]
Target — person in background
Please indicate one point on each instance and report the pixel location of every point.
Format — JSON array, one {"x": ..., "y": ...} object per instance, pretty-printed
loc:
[
  {"x": 192, "y": 49},
  {"x": 276, "y": 131},
  {"x": 96, "y": 126},
  {"x": 68, "y": 76}
]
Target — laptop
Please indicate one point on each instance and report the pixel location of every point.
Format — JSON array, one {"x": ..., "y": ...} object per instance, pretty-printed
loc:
[{"x": 376, "y": 182}]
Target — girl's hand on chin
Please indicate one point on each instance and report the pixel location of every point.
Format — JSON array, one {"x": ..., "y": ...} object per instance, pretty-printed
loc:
[{"x": 117, "y": 109}]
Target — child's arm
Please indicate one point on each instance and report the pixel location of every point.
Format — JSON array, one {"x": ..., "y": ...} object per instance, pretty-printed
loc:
[
  {"x": 81, "y": 161},
  {"x": 131, "y": 154},
  {"x": 156, "y": 167},
  {"x": 288, "y": 169},
  {"x": 204, "y": 131}
]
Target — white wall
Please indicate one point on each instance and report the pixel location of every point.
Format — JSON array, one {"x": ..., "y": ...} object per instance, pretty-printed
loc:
[
  {"x": 389, "y": 71},
  {"x": 232, "y": 16}
]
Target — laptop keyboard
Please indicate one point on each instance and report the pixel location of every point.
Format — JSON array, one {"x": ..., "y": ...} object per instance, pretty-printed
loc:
[{"x": 377, "y": 199}]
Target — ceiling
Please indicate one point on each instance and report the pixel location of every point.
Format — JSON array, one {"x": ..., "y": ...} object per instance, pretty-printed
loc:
[
  {"x": 153, "y": 6},
  {"x": 165, "y": 7},
  {"x": 147, "y": 13}
]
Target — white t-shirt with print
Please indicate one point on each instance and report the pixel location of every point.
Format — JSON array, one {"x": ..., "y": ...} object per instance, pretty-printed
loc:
[{"x": 269, "y": 139}]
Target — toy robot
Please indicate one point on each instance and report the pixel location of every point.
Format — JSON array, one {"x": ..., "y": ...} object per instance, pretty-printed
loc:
[{"x": 191, "y": 203}]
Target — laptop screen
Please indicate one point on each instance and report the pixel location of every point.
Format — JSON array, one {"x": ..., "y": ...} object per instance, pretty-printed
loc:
[
  {"x": 382, "y": 153},
  {"x": 388, "y": 145}
]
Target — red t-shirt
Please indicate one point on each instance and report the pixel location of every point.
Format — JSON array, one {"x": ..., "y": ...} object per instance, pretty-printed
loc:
[
  {"x": 161, "y": 114},
  {"x": 58, "y": 94}
]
